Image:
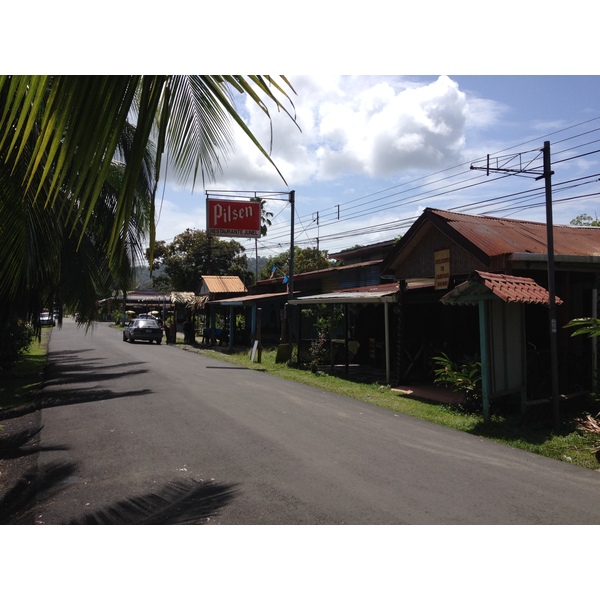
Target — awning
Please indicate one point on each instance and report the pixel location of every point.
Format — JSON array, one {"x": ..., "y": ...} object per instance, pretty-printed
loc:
[
  {"x": 487, "y": 286},
  {"x": 250, "y": 300},
  {"x": 346, "y": 297}
]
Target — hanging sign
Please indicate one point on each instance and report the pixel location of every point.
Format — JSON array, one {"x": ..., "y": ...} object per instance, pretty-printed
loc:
[
  {"x": 233, "y": 218},
  {"x": 442, "y": 269}
]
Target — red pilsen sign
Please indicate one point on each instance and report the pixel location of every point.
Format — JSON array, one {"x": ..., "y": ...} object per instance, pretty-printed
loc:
[{"x": 233, "y": 218}]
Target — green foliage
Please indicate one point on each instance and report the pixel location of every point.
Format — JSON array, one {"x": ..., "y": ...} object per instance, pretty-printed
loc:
[
  {"x": 463, "y": 377},
  {"x": 305, "y": 260},
  {"x": 585, "y": 326},
  {"x": 192, "y": 254},
  {"x": 585, "y": 220},
  {"x": 15, "y": 340},
  {"x": 318, "y": 350}
]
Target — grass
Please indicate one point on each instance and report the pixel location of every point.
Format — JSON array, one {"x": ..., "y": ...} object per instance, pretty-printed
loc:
[{"x": 532, "y": 434}]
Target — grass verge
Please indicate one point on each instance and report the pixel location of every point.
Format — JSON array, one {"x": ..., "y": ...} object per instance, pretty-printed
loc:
[{"x": 532, "y": 433}]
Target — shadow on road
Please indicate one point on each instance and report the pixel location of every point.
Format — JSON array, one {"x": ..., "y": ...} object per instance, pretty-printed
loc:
[
  {"x": 184, "y": 502},
  {"x": 180, "y": 502}
]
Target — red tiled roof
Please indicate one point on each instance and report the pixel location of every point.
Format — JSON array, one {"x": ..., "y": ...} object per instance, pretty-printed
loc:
[{"x": 505, "y": 287}]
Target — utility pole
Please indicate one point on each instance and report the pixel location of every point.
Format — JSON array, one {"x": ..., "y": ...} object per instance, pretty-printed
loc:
[
  {"x": 551, "y": 287},
  {"x": 546, "y": 174}
]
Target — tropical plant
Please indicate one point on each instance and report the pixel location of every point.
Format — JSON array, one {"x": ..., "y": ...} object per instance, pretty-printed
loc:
[
  {"x": 15, "y": 340},
  {"x": 193, "y": 253},
  {"x": 305, "y": 259},
  {"x": 463, "y": 377},
  {"x": 589, "y": 326},
  {"x": 78, "y": 180}
]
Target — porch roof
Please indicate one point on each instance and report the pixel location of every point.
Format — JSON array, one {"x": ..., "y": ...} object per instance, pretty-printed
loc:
[
  {"x": 483, "y": 286},
  {"x": 385, "y": 293},
  {"x": 249, "y": 300}
]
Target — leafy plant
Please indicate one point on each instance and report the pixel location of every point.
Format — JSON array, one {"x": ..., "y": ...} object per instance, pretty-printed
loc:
[
  {"x": 15, "y": 339},
  {"x": 318, "y": 350},
  {"x": 463, "y": 377},
  {"x": 589, "y": 326}
]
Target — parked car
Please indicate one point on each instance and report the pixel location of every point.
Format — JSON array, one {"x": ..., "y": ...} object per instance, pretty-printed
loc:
[
  {"x": 46, "y": 319},
  {"x": 143, "y": 329}
]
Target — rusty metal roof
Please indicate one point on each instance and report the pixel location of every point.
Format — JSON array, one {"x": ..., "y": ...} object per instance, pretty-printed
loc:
[
  {"x": 496, "y": 236},
  {"x": 488, "y": 237},
  {"x": 508, "y": 288},
  {"x": 222, "y": 284}
]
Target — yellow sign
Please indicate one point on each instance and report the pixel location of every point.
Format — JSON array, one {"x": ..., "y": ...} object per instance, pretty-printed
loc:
[{"x": 442, "y": 269}]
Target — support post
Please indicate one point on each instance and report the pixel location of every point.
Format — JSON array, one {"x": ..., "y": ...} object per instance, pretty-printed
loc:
[
  {"x": 386, "y": 321},
  {"x": 485, "y": 360}
]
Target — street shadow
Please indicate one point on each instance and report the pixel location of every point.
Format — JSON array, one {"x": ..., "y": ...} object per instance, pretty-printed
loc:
[
  {"x": 63, "y": 371},
  {"x": 179, "y": 502},
  {"x": 85, "y": 396},
  {"x": 182, "y": 502},
  {"x": 15, "y": 445},
  {"x": 234, "y": 368},
  {"x": 18, "y": 503}
]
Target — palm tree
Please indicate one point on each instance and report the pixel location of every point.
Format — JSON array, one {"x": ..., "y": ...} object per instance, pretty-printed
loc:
[
  {"x": 80, "y": 119},
  {"x": 71, "y": 167},
  {"x": 42, "y": 263}
]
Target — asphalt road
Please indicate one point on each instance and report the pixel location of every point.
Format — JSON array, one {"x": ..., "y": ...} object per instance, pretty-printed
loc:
[{"x": 154, "y": 433}]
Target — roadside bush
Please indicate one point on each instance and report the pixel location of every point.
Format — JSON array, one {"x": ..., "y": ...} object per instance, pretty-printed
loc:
[
  {"x": 15, "y": 339},
  {"x": 318, "y": 351},
  {"x": 463, "y": 377}
]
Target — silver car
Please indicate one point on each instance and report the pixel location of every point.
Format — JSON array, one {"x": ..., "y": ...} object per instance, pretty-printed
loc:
[
  {"x": 143, "y": 329},
  {"x": 46, "y": 319}
]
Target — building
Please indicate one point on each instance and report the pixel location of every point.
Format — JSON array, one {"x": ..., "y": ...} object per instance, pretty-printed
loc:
[{"x": 460, "y": 299}]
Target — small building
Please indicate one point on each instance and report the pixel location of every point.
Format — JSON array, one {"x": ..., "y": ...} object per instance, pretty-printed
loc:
[{"x": 457, "y": 257}]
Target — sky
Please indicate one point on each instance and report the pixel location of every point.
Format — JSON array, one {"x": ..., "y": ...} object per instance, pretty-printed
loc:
[{"x": 367, "y": 153}]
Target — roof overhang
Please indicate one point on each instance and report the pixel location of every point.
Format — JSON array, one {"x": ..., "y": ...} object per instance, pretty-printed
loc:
[
  {"x": 348, "y": 298},
  {"x": 250, "y": 300},
  {"x": 493, "y": 286}
]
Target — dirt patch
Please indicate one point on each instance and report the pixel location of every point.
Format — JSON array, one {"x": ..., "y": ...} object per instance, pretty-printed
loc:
[{"x": 17, "y": 465}]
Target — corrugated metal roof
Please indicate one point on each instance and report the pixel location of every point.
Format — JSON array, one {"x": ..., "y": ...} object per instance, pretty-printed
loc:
[
  {"x": 222, "y": 284},
  {"x": 382, "y": 287},
  {"x": 345, "y": 297},
  {"x": 496, "y": 236},
  {"x": 506, "y": 287},
  {"x": 248, "y": 300}
]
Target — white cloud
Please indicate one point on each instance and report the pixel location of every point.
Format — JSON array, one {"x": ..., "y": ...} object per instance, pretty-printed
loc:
[{"x": 353, "y": 125}]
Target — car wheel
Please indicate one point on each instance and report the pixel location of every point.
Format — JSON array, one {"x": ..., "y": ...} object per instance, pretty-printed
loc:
[{"x": 158, "y": 341}]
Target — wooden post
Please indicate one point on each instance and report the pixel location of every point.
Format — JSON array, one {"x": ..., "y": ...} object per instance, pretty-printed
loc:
[{"x": 258, "y": 336}]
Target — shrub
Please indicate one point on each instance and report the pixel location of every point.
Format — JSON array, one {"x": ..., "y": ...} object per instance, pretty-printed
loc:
[
  {"x": 15, "y": 339},
  {"x": 463, "y": 377},
  {"x": 318, "y": 351}
]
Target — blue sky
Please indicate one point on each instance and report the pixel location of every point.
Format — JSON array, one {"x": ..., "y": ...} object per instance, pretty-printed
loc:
[{"x": 378, "y": 149}]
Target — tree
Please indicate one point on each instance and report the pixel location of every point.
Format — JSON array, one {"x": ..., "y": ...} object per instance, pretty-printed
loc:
[
  {"x": 585, "y": 221},
  {"x": 305, "y": 259},
  {"x": 63, "y": 139},
  {"x": 53, "y": 256},
  {"x": 193, "y": 253}
]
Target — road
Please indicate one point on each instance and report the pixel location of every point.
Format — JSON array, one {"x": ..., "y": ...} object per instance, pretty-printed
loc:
[{"x": 194, "y": 439}]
